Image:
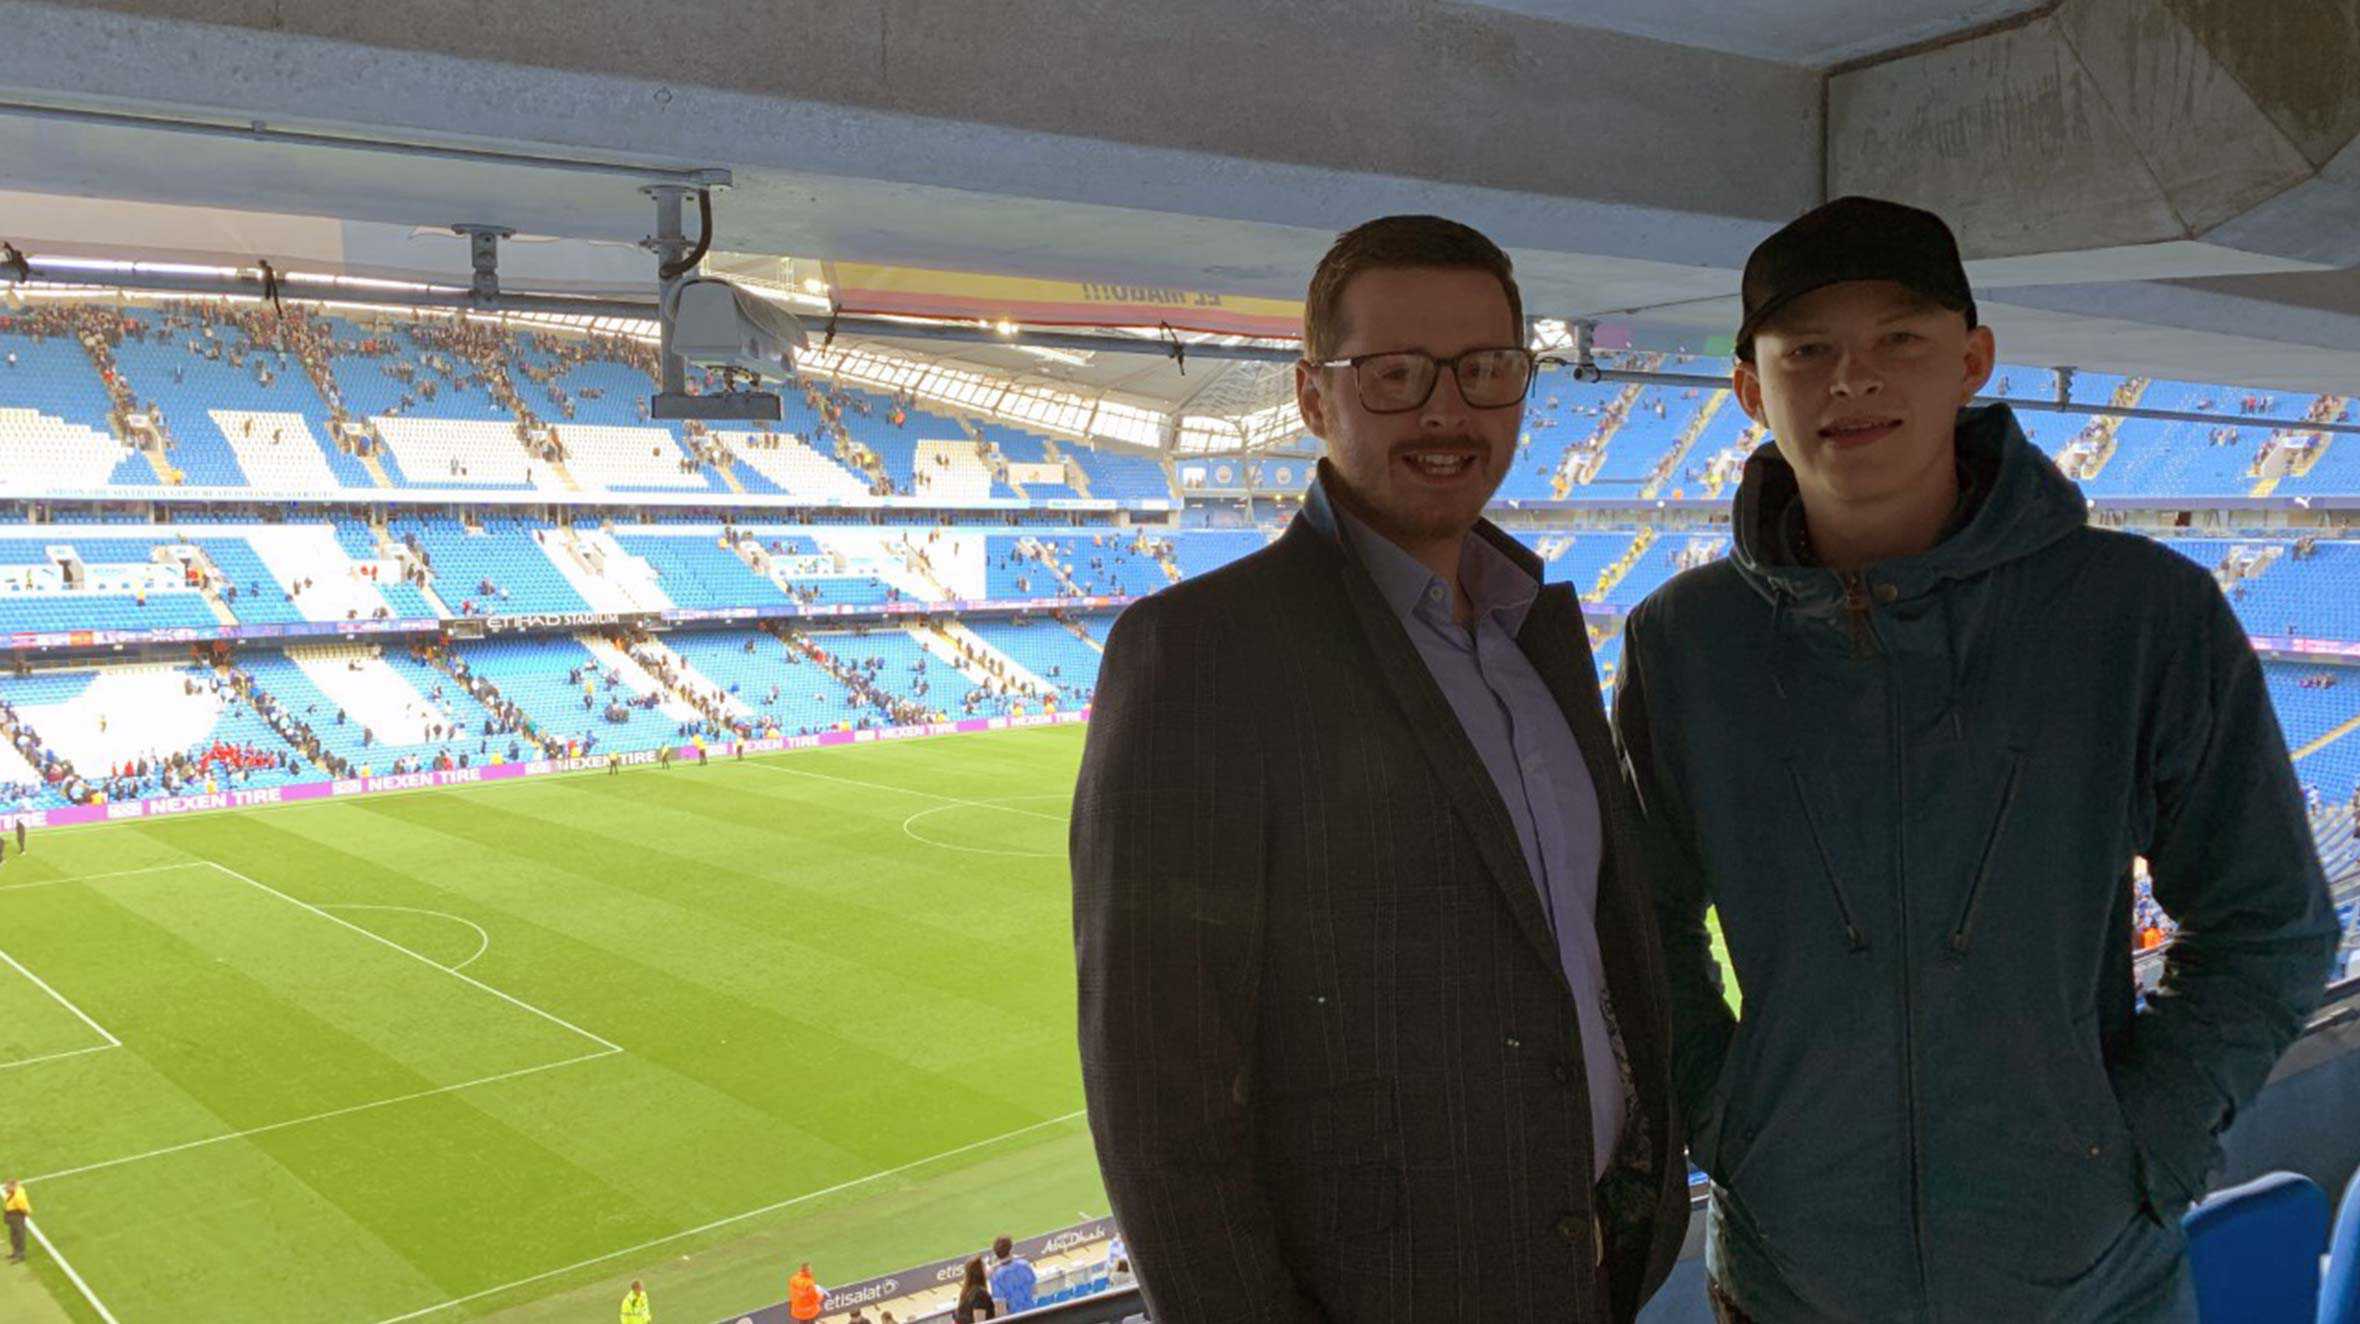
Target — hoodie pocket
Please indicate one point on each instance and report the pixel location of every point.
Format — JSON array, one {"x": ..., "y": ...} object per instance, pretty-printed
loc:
[
  {"x": 1854, "y": 938},
  {"x": 1962, "y": 934}
]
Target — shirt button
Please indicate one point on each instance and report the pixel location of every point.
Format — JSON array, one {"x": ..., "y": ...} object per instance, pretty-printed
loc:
[
  {"x": 1434, "y": 594},
  {"x": 1571, "y": 1227},
  {"x": 1886, "y": 593},
  {"x": 1563, "y": 1071}
]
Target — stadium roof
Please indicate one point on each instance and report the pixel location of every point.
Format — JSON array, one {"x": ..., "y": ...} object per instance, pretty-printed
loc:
[
  {"x": 1809, "y": 32},
  {"x": 2142, "y": 186}
]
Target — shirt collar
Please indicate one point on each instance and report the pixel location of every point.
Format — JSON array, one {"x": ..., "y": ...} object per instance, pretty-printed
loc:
[{"x": 1494, "y": 584}]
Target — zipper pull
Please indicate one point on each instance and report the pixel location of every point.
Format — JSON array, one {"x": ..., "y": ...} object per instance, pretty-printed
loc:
[{"x": 1856, "y": 609}]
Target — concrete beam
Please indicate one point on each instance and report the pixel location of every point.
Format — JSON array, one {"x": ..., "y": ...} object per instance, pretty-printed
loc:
[
  {"x": 2118, "y": 123},
  {"x": 1308, "y": 115}
]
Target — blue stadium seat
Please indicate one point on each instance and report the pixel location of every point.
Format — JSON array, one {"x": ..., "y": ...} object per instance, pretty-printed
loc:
[
  {"x": 504, "y": 553},
  {"x": 52, "y": 375},
  {"x": 2339, "y": 1290},
  {"x": 1121, "y": 475},
  {"x": 2254, "y": 1250},
  {"x": 809, "y": 700},
  {"x": 696, "y": 571}
]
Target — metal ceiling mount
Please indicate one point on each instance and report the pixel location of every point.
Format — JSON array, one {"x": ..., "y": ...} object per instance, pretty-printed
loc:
[{"x": 483, "y": 250}]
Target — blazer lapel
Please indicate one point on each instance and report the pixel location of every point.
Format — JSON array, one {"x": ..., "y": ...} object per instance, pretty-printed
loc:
[{"x": 1451, "y": 755}]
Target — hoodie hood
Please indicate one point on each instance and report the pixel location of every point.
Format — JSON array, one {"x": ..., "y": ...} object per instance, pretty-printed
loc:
[{"x": 2030, "y": 505}]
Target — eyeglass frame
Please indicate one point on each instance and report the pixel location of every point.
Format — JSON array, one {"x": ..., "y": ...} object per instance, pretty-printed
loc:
[{"x": 1533, "y": 360}]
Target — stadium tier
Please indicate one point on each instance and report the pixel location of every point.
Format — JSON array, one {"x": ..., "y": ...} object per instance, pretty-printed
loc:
[
  {"x": 365, "y": 486},
  {"x": 190, "y": 395}
]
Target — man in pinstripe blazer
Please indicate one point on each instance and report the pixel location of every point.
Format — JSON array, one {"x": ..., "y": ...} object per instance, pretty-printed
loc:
[{"x": 1372, "y": 1023}]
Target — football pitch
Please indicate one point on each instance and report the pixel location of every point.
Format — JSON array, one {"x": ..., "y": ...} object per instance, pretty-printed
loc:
[{"x": 493, "y": 1052}]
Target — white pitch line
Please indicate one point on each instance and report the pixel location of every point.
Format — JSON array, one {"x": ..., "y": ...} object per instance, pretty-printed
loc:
[
  {"x": 480, "y": 948},
  {"x": 912, "y": 834},
  {"x": 907, "y": 790},
  {"x": 79, "y": 1014},
  {"x": 94, "y": 877},
  {"x": 75, "y": 1278},
  {"x": 316, "y": 1117},
  {"x": 52, "y": 1057},
  {"x": 733, "y": 1218},
  {"x": 550, "y": 1016}
]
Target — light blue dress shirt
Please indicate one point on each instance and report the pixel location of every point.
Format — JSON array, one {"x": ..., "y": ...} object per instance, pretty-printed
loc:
[{"x": 1509, "y": 714}]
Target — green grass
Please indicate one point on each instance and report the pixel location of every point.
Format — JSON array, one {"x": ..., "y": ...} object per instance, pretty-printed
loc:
[
  {"x": 369, "y": 1071},
  {"x": 840, "y": 983}
]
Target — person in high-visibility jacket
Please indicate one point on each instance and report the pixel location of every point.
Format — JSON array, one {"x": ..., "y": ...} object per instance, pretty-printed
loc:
[
  {"x": 17, "y": 1206},
  {"x": 635, "y": 1307},
  {"x": 804, "y": 1294}
]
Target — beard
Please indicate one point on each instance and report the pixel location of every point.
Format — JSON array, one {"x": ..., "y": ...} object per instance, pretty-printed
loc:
[{"x": 1412, "y": 517}]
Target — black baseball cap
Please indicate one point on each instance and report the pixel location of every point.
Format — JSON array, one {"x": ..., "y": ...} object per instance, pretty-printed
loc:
[{"x": 1853, "y": 239}]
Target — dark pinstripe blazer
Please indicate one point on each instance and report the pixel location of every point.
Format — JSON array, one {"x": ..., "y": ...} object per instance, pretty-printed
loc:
[{"x": 1331, "y": 1058}]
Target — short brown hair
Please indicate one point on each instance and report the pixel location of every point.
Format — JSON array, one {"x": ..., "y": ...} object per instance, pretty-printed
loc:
[{"x": 1391, "y": 242}]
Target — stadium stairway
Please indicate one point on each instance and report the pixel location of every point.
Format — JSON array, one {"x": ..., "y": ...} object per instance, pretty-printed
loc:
[
  {"x": 1682, "y": 444},
  {"x": 691, "y": 681},
  {"x": 2332, "y": 839},
  {"x": 1076, "y": 477},
  {"x": 939, "y": 646},
  {"x": 817, "y": 650},
  {"x": 339, "y": 421},
  {"x": 2108, "y": 437},
  {"x": 1082, "y": 632},
  {"x": 996, "y": 456},
  {"x": 790, "y": 464},
  {"x": 927, "y": 566},
  {"x": 14, "y": 769},
  {"x": 486, "y": 693},
  {"x": 638, "y": 679},
  {"x": 609, "y": 578},
  {"x": 942, "y": 639},
  {"x": 1613, "y": 574},
  {"x": 370, "y": 692},
  {"x": 391, "y": 557},
  {"x": 2326, "y": 408},
  {"x": 1579, "y": 465},
  {"x": 2324, "y": 741},
  {"x": 212, "y": 598},
  {"x": 1029, "y": 548}
]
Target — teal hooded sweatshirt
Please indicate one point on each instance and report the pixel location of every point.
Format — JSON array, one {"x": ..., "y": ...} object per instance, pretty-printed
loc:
[{"x": 1914, "y": 795}]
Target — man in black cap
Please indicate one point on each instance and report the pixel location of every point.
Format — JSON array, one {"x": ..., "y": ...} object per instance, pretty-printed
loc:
[{"x": 1907, "y": 739}]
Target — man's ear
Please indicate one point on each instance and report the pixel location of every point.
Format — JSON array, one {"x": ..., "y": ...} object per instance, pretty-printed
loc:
[
  {"x": 1745, "y": 380},
  {"x": 1982, "y": 359},
  {"x": 1310, "y": 400}
]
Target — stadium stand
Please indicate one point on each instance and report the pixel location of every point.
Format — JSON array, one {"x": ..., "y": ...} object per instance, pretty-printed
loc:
[
  {"x": 296, "y": 412},
  {"x": 1121, "y": 475}
]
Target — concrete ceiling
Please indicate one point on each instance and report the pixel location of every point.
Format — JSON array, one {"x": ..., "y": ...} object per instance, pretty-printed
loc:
[
  {"x": 2167, "y": 187},
  {"x": 1816, "y": 33}
]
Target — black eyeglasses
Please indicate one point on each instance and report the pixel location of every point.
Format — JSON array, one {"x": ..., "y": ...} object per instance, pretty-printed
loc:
[{"x": 1398, "y": 381}]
